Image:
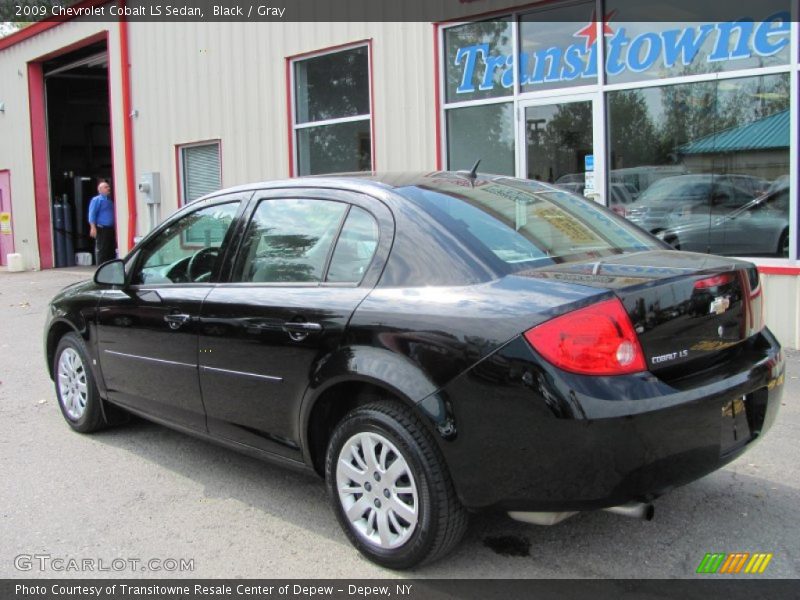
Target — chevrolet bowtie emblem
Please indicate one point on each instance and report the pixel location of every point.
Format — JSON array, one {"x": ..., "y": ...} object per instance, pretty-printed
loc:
[{"x": 719, "y": 305}]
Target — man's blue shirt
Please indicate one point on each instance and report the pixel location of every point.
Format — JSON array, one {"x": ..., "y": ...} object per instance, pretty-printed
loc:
[{"x": 101, "y": 211}]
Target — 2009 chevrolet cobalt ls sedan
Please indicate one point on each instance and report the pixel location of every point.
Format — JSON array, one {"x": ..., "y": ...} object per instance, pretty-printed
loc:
[{"x": 429, "y": 343}]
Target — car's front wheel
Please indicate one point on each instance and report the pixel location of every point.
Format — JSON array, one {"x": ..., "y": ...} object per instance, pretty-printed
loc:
[
  {"x": 76, "y": 390},
  {"x": 390, "y": 489}
]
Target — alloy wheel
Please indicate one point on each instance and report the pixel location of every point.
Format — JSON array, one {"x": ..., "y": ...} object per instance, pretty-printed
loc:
[
  {"x": 377, "y": 490},
  {"x": 72, "y": 384}
]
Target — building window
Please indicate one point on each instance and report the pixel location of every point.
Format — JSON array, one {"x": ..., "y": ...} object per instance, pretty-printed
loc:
[
  {"x": 200, "y": 170},
  {"x": 683, "y": 127},
  {"x": 639, "y": 47},
  {"x": 478, "y": 73},
  {"x": 484, "y": 132},
  {"x": 706, "y": 163},
  {"x": 477, "y": 61},
  {"x": 557, "y": 47},
  {"x": 331, "y": 112}
]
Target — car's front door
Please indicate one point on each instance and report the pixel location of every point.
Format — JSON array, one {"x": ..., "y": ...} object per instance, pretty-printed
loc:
[
  {"x": 147, "y": 331},
  {"x": 306, "y": 260}
]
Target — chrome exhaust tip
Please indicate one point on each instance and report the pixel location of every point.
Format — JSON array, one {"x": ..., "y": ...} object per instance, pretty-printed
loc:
[{"x": 637, "y": 510}]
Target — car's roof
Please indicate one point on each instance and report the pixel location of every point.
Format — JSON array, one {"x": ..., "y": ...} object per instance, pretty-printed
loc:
[{"x": 372, "y": 182}]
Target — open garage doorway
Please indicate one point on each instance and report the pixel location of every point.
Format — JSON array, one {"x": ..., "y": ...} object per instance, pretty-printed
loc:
[{"x": 78, "y": 146}]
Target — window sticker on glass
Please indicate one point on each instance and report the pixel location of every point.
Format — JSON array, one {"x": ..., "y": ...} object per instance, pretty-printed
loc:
[{"x": 566, "y": 225}]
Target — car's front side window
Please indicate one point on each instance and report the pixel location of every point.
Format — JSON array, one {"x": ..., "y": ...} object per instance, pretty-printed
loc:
[
  {"x": 187, "y": 251},
  {"x": 289, "y": 240}
]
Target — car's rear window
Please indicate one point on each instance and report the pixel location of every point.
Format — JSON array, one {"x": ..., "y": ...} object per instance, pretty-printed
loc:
[{"x": 527, "y": 225}]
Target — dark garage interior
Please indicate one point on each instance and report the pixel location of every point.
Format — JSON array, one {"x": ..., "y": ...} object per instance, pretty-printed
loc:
[{"x": 79, "y": 146}]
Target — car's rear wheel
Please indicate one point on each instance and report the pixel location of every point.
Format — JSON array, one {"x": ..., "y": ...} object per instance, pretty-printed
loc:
[
  {"x": 76, "y": 390},
  {"x": 390, "y": 489}
]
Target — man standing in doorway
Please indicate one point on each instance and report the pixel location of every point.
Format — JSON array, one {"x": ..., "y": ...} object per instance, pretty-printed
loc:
[{"x": 101, "y": 224}]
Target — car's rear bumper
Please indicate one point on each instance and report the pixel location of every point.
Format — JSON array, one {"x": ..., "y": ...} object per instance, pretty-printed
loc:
[{"x": 519, "y": 435}]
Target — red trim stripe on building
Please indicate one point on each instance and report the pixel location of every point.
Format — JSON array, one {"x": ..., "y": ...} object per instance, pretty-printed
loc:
[
  {"x": 437, "y": 99},
  {"x": 41, "y": 185},
  {"x": 770, "y": 270},
  {"x": 42, "y": 26}
]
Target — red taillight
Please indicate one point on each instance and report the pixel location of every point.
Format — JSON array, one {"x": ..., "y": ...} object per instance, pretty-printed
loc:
[
  {"x": 715, "y": 281},
  {"x": 596, "y": 340}
]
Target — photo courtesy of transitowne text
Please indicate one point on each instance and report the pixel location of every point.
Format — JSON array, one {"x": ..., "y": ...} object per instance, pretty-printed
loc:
[{"x": 295, "y": 590}]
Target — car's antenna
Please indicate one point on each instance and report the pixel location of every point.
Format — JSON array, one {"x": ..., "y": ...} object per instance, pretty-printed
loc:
[{"x": 473, "y": 172}]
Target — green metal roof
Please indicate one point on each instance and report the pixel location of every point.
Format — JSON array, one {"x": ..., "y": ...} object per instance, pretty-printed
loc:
[{"x": 769, "y": 133}]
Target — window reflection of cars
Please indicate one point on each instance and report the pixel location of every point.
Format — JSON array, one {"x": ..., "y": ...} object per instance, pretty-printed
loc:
[
  {"x": 641, "y": 178},
  {"x": 755, "y": 186},
  {"x": 685, "y": 194},
  {"x": 574, "y": 187},
  {"x": 618, "y": 198},
  {"x": 618, "y": 194},
  {"x": 760, "y": 227},
  {"x": 571, "y": 178},
  {"x": 631, "y": 189},
  {"x": 778, "y": 183}
]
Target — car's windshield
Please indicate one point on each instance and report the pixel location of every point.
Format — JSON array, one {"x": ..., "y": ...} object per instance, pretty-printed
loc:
[{"x": 520, "y": 223}]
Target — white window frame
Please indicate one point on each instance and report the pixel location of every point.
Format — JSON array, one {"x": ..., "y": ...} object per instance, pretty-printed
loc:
[
  {"x": 600, "y": 89},
  {"x": 182, "y": 201},
  {"x": 296, "y": 127}
]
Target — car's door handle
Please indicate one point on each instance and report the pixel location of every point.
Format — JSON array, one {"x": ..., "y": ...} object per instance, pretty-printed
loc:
[
  {"x": 176, "y": 321},
  {"x": 299, "y": 330}
]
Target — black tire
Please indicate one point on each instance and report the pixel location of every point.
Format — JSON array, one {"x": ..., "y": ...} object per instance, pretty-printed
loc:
[
  {"x": 91, "y": 416},
  {"x": 441, "y": 519},
  {"x": 783, "y": 244}
]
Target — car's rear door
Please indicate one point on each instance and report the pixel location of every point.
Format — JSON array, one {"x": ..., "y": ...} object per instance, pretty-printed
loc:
[
  {"x": 147, "y": 330},
  {"x": 306, "y": 259}
]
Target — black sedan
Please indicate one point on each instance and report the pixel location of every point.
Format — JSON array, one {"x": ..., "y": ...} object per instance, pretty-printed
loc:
[{"x": 431, "y": 344}]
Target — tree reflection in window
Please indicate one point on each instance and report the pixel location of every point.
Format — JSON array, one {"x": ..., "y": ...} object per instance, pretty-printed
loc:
[{"x": 288, "y": 240}]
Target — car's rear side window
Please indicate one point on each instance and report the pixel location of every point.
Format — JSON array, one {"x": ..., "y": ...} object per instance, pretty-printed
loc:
[
  {"x": 289, "y": 240},
  {"x": 527, "y": 227},
  {"x": 355, "y": 248}
]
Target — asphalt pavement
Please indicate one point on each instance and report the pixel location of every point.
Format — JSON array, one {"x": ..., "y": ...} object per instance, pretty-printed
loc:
[{"x": 142, "y": 492}]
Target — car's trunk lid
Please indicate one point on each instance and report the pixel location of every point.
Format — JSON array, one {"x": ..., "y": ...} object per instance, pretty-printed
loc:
[{"x": 685, "y": 307}]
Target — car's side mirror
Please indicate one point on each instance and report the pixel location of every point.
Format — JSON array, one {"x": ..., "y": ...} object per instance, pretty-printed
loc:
[{"x": 111, "y": 273}]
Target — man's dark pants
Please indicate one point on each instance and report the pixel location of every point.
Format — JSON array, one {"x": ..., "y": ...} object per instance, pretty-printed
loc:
[{"x": 105, "y": 244}]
